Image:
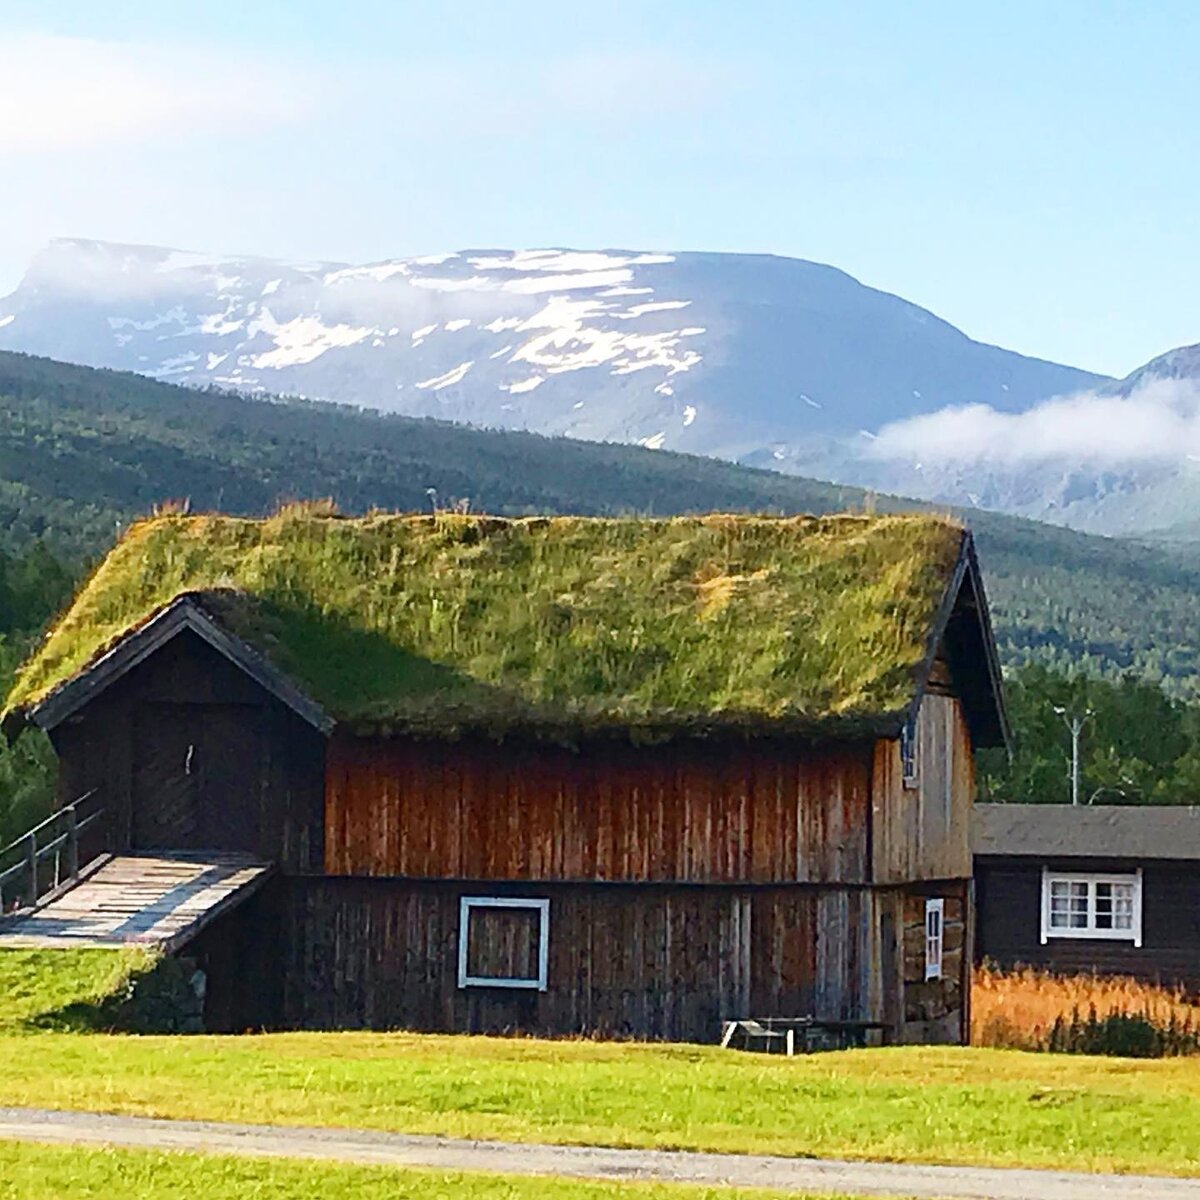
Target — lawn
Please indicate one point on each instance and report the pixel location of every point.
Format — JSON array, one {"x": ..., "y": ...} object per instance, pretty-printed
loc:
[
  {"x": 915, "y": 1104},
  {"x": 46, "y": 1173}
]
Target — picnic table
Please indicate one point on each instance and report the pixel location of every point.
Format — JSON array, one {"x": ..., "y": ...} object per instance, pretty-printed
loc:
[{"x": 796, "y": 1034}]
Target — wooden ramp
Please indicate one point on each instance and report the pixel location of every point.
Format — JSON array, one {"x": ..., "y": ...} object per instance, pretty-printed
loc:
[{"x": 161, "y": 900}]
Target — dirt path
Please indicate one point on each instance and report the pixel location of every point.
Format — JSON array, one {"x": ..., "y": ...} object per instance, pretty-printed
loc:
[{"x": 737, "y": 1170}]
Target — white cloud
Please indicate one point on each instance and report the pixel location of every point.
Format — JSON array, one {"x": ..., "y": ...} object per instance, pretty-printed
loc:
[
  {"x": 1159, "y": 422},
  {"x": 64, "y": 93}
]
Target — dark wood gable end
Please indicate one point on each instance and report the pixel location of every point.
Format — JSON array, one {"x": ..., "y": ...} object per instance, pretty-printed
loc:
[
  {"x": 961, "y": 656},
  {"x": 191, "y": 740},
  {"x": 184, "y": 613}
]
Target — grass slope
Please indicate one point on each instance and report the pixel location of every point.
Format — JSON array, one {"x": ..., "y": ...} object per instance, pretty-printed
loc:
[
  {"x": 918, "y": 1104},
  {"x": 63, "y": 987},
  {"x": 438, "y": 623},
  {"x": 30, "y": 1172},
  {"x": 83, "y": 451}
]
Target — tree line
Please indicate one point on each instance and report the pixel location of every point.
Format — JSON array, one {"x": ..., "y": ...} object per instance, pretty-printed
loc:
[
  {"x": 34, "y": 585},
  {"x": 1137, "y": 744}
]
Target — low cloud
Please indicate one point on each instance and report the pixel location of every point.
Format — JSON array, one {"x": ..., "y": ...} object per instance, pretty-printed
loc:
[
  {"x": 64, "y": 93},
  {"x": 1159, "y": 422}
]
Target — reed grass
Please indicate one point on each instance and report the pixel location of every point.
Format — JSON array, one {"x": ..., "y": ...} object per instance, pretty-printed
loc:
[{"x": 1039, "y": 1010}]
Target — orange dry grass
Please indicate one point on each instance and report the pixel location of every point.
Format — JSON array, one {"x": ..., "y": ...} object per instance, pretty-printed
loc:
[{"x": 1017, "y": 1009}]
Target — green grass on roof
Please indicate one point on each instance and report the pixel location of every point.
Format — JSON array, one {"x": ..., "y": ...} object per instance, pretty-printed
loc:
[{"x": 436, "y": 624}]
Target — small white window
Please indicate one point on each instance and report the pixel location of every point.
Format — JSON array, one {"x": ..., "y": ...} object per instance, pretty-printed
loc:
[
  {"x": 935, "y": 919},
  {"x": 908, "y": 752},
  {"x": 503, "y": 941},
  {"x": 1077, "y": 905}
]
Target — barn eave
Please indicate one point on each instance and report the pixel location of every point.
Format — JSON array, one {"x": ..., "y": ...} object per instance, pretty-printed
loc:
[{"x": 962, "y": 629}]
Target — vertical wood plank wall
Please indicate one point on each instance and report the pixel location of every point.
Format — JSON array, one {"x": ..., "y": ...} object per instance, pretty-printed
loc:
[
  {"x": 923, "y": 833},
  {"x": 98, "y": 748},
  {"x": 697, "y": 812},
  {"x": 625, "y": 960},
  {"x": 689, "y": 882}
]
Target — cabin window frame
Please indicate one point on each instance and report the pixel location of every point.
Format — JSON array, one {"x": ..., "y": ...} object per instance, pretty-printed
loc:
[
  {"x": 1091, "y": 883},
  {"x": 467, "y": 904},
  {"x": 910, "y": 766},
  {"x": 935, "y": 937}
]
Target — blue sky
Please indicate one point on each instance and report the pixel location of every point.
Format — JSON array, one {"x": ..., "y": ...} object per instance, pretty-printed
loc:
[{"x": 1029, "y": 171}]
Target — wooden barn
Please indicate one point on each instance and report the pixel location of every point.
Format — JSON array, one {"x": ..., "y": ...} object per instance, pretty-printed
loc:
[
  {"x": 629, "y": 778},
  {"x": 1102, "y": 890}
]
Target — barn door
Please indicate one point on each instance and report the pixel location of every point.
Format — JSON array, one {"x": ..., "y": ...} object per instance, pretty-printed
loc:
[{"x": 197, "y": 777}]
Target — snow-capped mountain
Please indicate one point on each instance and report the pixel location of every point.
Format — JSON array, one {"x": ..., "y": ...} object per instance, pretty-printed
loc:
[
  {"x": 770, "y": 361},
  {"x": 742, "y": 356}
]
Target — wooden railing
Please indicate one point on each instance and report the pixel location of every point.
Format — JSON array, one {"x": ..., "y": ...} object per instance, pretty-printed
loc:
[{"x": 29, "y": 877}]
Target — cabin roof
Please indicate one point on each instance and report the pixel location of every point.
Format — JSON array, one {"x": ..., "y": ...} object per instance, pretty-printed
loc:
[
  {"x": 1042, "y": 831},
  {"x": 436, "y": 625}
]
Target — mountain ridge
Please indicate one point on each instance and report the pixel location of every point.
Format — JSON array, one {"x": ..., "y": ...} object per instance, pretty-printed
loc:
[{"x": 722, "y": 354}]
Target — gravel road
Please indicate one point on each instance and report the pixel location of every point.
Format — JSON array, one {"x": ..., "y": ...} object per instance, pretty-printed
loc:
[{"x": 737, "y": 1170}]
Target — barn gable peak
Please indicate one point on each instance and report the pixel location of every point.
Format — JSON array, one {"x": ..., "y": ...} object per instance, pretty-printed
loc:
[{"x": 185, "y": 614}]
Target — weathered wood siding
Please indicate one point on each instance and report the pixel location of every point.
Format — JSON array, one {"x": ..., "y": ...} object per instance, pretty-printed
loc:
[
  {"x": 737, "y": 811},
  {"x": 253, "y": 779},
  {"x": 1009, "y": 922},
  {"x": 923, "y": 832},
  {"x": 645, "y": 961}
]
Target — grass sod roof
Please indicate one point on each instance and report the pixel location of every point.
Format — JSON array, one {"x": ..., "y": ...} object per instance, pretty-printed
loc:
[{"x": 439, "y": 624}]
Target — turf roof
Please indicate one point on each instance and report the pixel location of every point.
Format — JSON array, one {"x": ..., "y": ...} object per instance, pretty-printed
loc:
[{"x": 439, "y": 624}]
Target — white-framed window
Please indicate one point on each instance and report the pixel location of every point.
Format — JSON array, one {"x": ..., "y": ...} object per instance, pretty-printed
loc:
[
  {"x": 503, "y": 941},
  {"x": 909, "y": 767},
  {"x": 1086, "y": 905},
  {"x": 935, "y": 926}
]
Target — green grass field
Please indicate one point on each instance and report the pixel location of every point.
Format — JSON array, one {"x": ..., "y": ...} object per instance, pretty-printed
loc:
[
  {"x": 914, "y": 1104},
  {"x": 67, "y": 1173}
]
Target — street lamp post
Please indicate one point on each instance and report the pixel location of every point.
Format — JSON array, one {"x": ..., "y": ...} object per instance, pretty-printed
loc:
[{"x": 1075, "y": 725}]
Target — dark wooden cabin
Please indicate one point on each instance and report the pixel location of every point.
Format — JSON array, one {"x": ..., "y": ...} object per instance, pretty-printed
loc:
[
  {"x": 623, "y": 778},
  {"x": 1081, "y": 889}
]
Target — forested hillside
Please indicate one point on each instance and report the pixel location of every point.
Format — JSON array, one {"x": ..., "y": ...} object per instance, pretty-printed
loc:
[
  {"x": 82, "y": 451},
  {"x": 32, "y": 586}
]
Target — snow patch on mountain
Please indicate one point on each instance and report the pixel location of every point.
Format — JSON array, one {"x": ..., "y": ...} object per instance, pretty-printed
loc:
[
  {"x": 301, "y": 340},
  {"x": 525, "y": 385},
  {"x": 451, "y": 377}
]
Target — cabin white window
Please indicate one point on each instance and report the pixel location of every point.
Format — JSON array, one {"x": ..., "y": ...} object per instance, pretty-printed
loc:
[
  {"x": 1085, "y": 905},
  {"x": 935, "y": 924},
  {"x": 908, "y": 752},
  {"x": 503, "y": 941}
]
